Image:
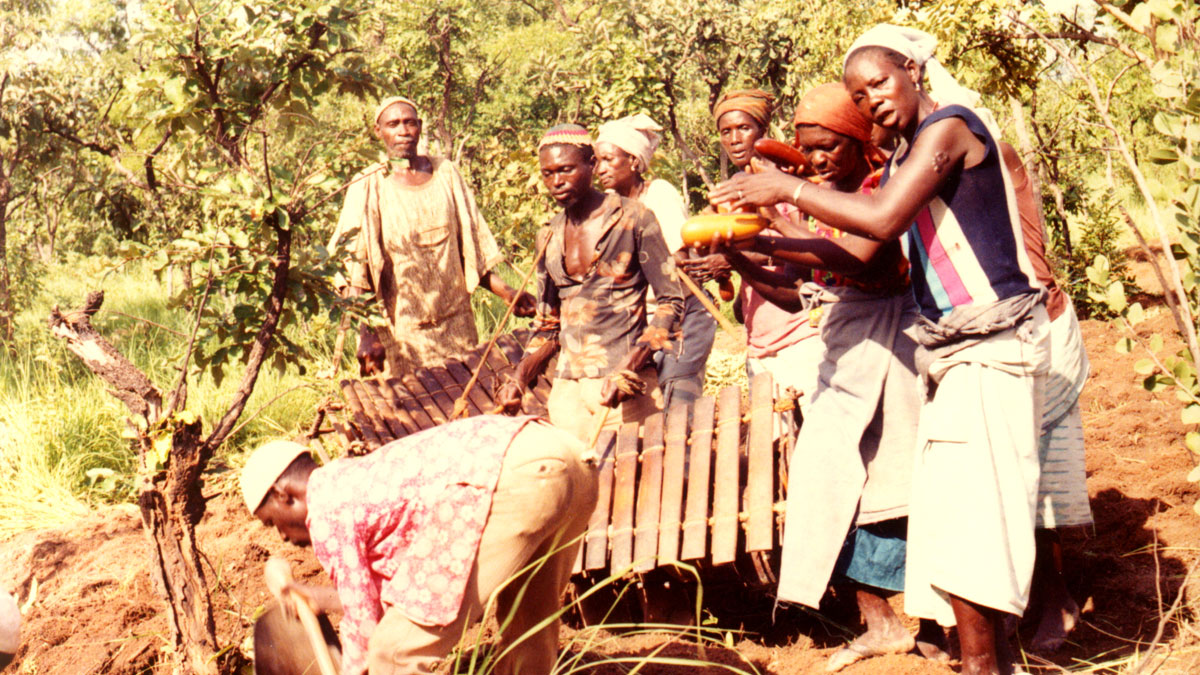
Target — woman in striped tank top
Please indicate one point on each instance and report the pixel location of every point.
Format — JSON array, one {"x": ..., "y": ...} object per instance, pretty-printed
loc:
[{"x": 983, "y": 333}]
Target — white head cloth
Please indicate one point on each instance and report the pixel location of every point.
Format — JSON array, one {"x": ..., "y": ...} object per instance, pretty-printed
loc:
[
  {"x": 921, "y": 48},
  {"x": 391, "y": 101},
  {"x": 635, "y": 134}
]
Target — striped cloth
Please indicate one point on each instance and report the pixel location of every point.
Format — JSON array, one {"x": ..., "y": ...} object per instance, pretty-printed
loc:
[
  {"x": 967, "y": 247},
  {"x": 1062, "y": 491}
]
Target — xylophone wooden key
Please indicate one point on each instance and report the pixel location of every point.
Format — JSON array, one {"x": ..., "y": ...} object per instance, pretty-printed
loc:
[
  {"x": 388, "y": 427},
  {"x": 362, "y": 422},
  {"x": 695, "y": 518},
  {"x": 760, "y": 466},
  {"x": 596, "y": 540},
  {"x": 625, "y": 479},
  {"x": 649, "y": 495},
  {"x": 403, "y": 399},
  {"x": 480, "y": 394},
  {"x": 443, "y": 400},
  {"x": 453, "y": 389},
  {"x": 672, "y": 490},
  {"x": 726, "y": 483},
  {"x": 385, "y": 400},
  {"x": 424, "y": 398}
]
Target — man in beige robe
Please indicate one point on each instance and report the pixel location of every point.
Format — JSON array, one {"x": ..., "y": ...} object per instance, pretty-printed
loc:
[{"x": 419, "y": 243}]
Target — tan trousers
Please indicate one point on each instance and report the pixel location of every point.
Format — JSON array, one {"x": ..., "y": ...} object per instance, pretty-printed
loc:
[
  {"x": 574, "y": 404},
  {"x": 543, "y": 500}
]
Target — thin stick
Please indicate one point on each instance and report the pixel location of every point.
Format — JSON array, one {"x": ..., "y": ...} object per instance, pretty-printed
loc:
[
  {"x": 147, "y": 321},
  {"x": 460, "y": 405},
  {"x": 712, "y": 309},
  {"x": 339, "y": 345},
  {"x": 595, "y": 435}
]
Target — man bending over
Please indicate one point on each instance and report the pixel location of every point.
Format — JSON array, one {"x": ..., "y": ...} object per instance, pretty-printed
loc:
[{"x": 418, "y": 535}]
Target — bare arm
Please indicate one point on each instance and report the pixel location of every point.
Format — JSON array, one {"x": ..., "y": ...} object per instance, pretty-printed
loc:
[
  {"x": 526, "y": 305},
  {"x": 779, "y": 289},
  {"x": 543, "y": 345},
  {"x": 849, "y": 255},
  {"x": 945, "y": 147},
  {"x": 324, "y": 599}
]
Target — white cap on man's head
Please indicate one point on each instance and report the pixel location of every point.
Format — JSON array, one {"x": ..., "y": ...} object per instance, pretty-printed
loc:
[
  {"x": 265, "y": 466},
  {"x": 391, "y": 101}
]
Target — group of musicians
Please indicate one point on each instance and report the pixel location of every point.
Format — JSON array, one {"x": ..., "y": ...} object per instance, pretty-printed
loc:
[{"x": 899, "y": 290}]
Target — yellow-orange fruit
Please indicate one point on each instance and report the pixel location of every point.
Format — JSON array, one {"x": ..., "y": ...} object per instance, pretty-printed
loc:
[{"x": 698, "y": 231}]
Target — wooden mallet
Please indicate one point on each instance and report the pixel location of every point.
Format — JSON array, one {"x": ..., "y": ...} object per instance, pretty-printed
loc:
[{"x": 278, "y": 575}]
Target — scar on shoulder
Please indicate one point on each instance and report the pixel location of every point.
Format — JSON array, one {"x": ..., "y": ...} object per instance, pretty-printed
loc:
[{"x": 940, "y": 160}]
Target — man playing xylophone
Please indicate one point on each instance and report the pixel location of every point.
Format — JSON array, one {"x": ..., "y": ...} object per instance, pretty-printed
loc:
[{"x": 600, "y": 255}]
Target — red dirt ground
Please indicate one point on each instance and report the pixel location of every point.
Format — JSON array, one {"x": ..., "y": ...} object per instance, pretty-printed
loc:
[{"x": 95, "y": 609}]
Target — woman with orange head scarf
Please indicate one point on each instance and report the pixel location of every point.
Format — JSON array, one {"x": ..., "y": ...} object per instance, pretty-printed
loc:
[
  {"x": 780, "y": 339},
  {"x": 851, "y": 469}
]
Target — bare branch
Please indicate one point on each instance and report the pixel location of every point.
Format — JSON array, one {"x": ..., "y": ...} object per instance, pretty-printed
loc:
[
  {"x": 683, "y": 146},
  {"x": 179, "y": 391},
  {"x": 130, "y": 385},
  {"x": 542, "y": 12},
  {"x": 268, "y": 404}
]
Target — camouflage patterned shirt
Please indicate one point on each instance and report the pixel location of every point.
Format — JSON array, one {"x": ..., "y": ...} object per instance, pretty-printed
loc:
[{"x": 600, "y": 316}]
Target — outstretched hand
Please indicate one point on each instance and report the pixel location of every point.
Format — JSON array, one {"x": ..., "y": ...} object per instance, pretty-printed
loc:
[
  {"x": 624, "y": 382},
  {"x": 706, "y": 267},
  {"x": 752, "y": 190}
]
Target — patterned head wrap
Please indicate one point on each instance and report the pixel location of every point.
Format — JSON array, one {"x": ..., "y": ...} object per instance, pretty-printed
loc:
[
  {"x": 391, "y": 101},
  {"x": 921, "y": 47},
  {"x": 754, "y": 102},
  {"x": 569, "y": 134},
  {"x": 829, "y": 106},
  {"x": 635, "y": 134}
]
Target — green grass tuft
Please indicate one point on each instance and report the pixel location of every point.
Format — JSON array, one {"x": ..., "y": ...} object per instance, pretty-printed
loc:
[{"x": 61, "y": 445}]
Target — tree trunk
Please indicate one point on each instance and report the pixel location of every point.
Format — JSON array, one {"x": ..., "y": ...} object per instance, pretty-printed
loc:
[
  {"x": 171, "y": 506},
  {"x": 170, "y": 498}
]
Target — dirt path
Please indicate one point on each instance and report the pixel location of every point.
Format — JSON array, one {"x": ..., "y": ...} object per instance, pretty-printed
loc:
[{"x": 95, "y": 610}]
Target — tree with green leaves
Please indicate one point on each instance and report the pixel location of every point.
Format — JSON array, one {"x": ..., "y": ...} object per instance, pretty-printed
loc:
[{"x": 220, "y": 114}]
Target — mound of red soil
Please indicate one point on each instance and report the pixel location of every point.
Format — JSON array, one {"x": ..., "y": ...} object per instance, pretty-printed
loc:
[
  {"x": 94, "y": 606},
  {"x": 95, "y": 609}
]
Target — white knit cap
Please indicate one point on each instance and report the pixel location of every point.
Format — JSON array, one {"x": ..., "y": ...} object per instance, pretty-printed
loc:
[
  {"x": 921, "y": 47},
  {"x": 635, "y": 134},
  {"x": 10, "y": 624},
  {"x": 391, "y": 101},
  {"x": 264, "y": 467}
]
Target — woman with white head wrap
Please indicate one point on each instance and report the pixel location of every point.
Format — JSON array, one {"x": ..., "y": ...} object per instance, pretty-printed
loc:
[
  {"x": 921, "y": 47},
  {"x": 624, "y": 148},
  {"x": 1062, "y": 495}
]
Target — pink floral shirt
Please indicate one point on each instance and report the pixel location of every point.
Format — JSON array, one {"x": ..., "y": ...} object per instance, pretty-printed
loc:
[{"x": 401, "y": 527}]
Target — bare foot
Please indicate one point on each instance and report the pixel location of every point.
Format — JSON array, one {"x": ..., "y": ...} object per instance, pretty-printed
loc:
[
  {"x": 870, "y": 644},
  {"x": 1057, "y": 622},
  {"x": 931, "y": 642}
]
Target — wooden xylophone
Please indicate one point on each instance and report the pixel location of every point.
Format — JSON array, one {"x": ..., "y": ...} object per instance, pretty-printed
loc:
[
  {"x": 380, "y": 410},
  {"x": 701, "y": 484}
]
